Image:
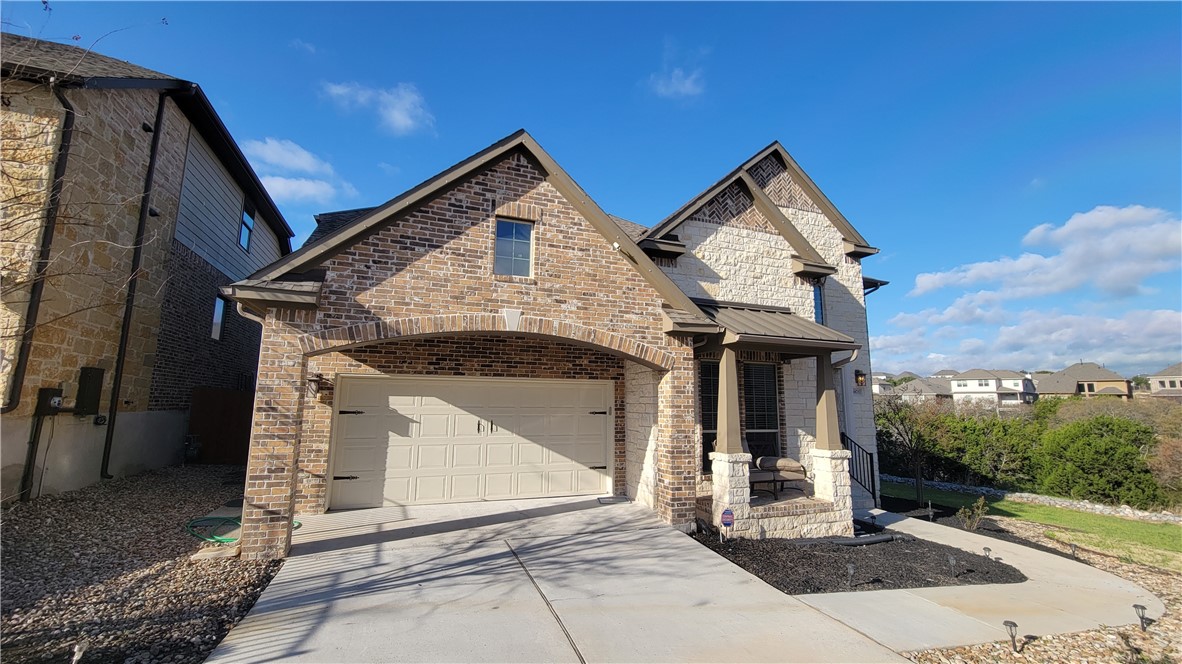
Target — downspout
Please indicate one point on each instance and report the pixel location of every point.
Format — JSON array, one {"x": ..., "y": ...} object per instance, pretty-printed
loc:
[
  {"x": 133, "y": 279},
  {"x": 13, "y": 398}
]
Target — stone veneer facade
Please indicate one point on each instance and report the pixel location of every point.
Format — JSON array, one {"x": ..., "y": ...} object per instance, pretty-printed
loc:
[
  {"x": 82, "y": 306},
  {"x": 418, "y": 295}
]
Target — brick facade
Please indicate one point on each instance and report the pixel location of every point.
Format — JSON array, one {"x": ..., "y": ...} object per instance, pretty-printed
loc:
[
  {"x": 187, "y": 355},
  {"x": 418, "y": 293}
]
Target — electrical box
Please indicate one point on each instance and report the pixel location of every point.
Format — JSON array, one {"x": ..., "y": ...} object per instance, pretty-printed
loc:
[{"x": 90, "y": 389}]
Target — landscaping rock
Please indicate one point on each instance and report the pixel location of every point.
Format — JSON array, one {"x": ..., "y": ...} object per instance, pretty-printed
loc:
[{"x": 106, "y": 570}]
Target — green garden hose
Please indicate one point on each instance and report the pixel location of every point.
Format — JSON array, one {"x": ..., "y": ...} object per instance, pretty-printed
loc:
[{"x": 207, "y": 528}]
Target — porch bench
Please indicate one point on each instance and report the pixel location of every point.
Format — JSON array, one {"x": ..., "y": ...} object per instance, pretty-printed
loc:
[{"x": 776, "y": 471}]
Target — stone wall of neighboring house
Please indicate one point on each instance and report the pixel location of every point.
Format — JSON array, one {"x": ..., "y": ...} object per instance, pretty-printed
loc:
[
  {"x": 431, "y": 272},
  {"x": 187, "y": 355},
  {"x": 82, "y": 307}
]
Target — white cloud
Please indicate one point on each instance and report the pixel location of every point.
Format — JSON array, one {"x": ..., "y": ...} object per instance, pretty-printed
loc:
[
  {"x": 299, "y": 190},
  {"x": 1113, "y": 249},
  {"x": 1134, "y": 342},
  {"x": 303, "y": 45},
  {"x": 389, "y": 169},
  {"x": 677, "y": 83},
  {"x": 401, "y": 109},
  {"x": 284, "y": 155},
  {"x": 968, "y": 309}
]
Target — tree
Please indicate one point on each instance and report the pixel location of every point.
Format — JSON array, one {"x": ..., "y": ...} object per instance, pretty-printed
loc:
[
  {"x": 910, "y": 430},
  {"x": 1101, "y": 459},
  {"x": 1140, "y": 382}
]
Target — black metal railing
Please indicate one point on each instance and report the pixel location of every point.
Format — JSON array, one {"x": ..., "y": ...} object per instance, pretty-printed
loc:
[{"x": 861, "y": 465}]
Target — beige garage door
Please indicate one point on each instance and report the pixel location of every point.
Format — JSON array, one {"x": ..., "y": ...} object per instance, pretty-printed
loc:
[{"x": 417, "y": 440}]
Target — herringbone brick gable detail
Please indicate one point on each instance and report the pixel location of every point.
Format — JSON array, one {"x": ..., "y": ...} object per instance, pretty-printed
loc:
[{"x": 775, "y": 180}]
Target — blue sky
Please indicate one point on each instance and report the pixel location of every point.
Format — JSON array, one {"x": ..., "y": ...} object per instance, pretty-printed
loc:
[{"x": 1019, "y": 165}]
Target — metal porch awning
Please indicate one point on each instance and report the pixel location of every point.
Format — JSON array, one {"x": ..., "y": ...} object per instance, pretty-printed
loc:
[{"x": 773, "y": 327}]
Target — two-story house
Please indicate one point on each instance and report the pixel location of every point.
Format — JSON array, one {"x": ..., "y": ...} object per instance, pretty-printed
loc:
[
  {"x": 1085, "y": 379},
  {"x": 493, "y": 333},
  {"x": 127, "y": 205},
  {"x": 1167, "y": 383},
  {"x": 997, "y": 388}
]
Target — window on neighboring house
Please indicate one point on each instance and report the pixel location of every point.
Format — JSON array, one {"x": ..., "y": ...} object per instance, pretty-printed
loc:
[
  {"x": 247, "y": 227},
  {"x": 1091, "y": 387},
  {"x": 1173, "y": 384},
  {"x": 219, "y": 317},
  {"x": 708, "y": 404},
  {"x": 1161, "y": 383},
  {"x": 819, "y": 301},
  {"x": 962, "y": 383},
  {"x": 762, "y": 414},
  {"x": 514, "y": 249},
  {"x": 982, "y": 382}
]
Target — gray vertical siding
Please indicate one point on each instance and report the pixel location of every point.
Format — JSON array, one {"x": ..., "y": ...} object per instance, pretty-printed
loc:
[{"x": 210, "y": 214}]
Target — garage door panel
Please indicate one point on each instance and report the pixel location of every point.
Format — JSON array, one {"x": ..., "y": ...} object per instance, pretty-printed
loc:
[
  {"x": 431, "y": 457},
  {"x": 435, "y": 425},
  {"x": 498, "y": 485},
  {"x": 449, "y": 440}
]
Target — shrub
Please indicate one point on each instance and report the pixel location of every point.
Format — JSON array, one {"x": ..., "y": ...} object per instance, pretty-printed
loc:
[
  {"x": 1098, "y": 459},
  {"x": 970, "y": 515}
]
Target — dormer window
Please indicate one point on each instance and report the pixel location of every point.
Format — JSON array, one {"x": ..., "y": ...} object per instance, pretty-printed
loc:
[{"x": 514, "y": 248}]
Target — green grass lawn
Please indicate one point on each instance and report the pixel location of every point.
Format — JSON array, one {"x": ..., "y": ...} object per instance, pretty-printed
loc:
[{"x": 1158, "y": 544}]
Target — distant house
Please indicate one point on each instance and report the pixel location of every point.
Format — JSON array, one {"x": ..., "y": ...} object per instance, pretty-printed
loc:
[
  {"x": 1086, "y": 379},
  {"x": 127, "y": 204},
  {"x": 1167, "y": 383},
  {"x": 946, "y": 373},
  {"x": 1001, "y": 388},
  {"x": 922, "y": 389}
]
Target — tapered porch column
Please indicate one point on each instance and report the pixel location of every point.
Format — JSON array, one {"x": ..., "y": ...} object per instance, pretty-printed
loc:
[
  {"x": 729, "y": 440},
  {"x": 828, "y": 429}
]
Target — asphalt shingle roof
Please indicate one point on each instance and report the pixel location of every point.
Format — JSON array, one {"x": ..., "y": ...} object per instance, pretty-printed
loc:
[
  {"x": 1172, "y": 370},
  {"x": 36, "y": 56}
]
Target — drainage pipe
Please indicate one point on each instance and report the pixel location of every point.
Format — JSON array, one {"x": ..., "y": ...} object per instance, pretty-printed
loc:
[
  {"x": 36, "y": 290},
  {"x": 132, "y": 280}
]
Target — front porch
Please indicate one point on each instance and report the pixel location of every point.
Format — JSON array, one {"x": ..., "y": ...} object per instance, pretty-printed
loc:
[{"x": 770, "y": 406}]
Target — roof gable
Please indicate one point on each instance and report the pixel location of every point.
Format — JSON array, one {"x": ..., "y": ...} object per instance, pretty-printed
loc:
[
  {"x": 313, "y": 254},
  {"x": 775, "y": 177},
  {"x": 1172, "y": 370}
]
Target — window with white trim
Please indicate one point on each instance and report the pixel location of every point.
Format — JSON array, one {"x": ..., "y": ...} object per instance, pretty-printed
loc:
[{"x": 514, "y": 249}]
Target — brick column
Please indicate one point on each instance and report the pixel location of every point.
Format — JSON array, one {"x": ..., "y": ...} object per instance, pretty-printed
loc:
[
  {"x": 675, "y": 488},
  {"x": 271, "y": 467},
  {"x": 732, "y": 489}
]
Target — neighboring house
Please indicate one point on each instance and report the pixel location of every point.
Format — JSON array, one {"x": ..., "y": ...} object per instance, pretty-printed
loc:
[
  {"x": 946, "y": 374},
  {"x": 921, "y": 389},
  {"x": 492, "y": 333},
  {"x": 1086, "y": 379},
  {"x": 881, "y": 384},
  {"x": 1167, "y": 383},
  {"x": 1000, "y": 388},
  {"x": 127, "y": 205}
]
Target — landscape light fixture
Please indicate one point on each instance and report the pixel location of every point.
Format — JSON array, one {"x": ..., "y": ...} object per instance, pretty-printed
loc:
[
  {"x": 859, "y": 378},
  {"x": 1012, "y": 630},
  {"x": 1140, "y": 609},
  {"x": 988, "y": 551},
  {"x": 952, "y": 565},
  {"x": 850, "y": 578}
]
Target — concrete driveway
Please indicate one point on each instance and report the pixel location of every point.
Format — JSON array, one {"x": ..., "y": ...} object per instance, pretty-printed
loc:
[{"x": 562, "y": 580}]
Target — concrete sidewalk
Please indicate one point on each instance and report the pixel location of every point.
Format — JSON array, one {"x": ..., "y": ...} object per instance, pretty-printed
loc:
[{"x": 1060, "y": 596}]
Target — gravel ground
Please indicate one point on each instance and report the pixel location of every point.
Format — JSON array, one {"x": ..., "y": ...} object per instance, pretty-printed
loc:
[
  {"x": 820, "y": 567},
  {"x": 107, "y": 569},
  {"x": 1160, "y": 644}
]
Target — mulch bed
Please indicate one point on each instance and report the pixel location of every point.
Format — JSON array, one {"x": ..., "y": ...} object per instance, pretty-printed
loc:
[
  {"x": 946, "y": 516},
  {"x": 802, "y": 568}
]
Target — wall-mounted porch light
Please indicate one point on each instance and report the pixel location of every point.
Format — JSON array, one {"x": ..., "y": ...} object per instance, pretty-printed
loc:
[
  {"x": 316, "y": 382},
  {"x": 859, "y": 378}
]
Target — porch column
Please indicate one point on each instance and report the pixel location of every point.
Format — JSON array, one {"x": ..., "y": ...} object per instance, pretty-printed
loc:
[
  {"x": 828, "y": 428},
  {"x": 729, "y": 440}
]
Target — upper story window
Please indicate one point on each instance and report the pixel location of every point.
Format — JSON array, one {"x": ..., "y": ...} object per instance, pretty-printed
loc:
[
  {"x": 984, "y": 382},
  {"x": 1173, "y": 384},
  {"x": 514, "y": 248},
  {"x": 247, "y": 227},
  {"x": 1091, "y": 387},
  {"x": 819, "y": 302},
  {"x": 962, "y": 383},
  {"x": 219, "y": 317}
]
